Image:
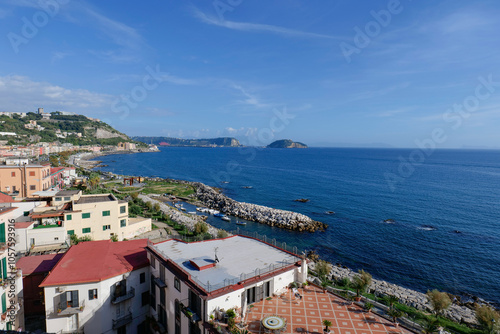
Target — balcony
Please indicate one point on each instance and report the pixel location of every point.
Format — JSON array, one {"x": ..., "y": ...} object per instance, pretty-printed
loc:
[
  {"x": 122, "y": 321},
  {"x": 69, "y": 310},
  {"x": 121, "y": 297},
  {"x": 160, "y": 283}
]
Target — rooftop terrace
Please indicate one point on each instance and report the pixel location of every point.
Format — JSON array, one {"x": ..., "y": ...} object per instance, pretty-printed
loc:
[
  {"x": 307, "y": 315},
  {"x": 95, "y": 199},
  {"x": 240, "y": 258}
]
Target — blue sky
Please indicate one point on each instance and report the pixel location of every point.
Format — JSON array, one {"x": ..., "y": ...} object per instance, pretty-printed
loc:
[{"x": 336, "y": 73}]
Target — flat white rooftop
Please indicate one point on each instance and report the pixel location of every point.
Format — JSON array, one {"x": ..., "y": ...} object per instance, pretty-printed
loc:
[{"x": 240, "y": 258}]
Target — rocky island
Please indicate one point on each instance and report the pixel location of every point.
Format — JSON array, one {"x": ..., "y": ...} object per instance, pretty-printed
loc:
[
  {"x": 286, "y": 143},
  {"x": 210, "y": 142}
]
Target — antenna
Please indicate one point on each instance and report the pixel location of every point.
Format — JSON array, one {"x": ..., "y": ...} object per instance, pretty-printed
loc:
[{"x": 216, "y": 258}]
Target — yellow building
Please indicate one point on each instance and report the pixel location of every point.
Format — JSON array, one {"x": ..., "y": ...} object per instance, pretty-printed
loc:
[
  {"x": 24, "y": 180},
  {"x": 100, "y": 216}
]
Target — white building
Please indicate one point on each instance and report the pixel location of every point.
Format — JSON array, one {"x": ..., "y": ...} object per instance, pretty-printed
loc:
[
  {"x": 193, "y": 281},
  {"x": 99, "y": 287}
]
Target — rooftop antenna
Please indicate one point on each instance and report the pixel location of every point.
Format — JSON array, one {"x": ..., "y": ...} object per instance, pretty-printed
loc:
[{"x": 216, "y": 258}]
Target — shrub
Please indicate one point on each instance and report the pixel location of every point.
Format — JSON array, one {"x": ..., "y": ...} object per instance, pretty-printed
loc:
[{"x": 439, "y": 301}]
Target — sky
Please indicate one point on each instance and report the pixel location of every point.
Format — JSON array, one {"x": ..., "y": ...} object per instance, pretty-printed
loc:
[{"x": 326, "y": 73}]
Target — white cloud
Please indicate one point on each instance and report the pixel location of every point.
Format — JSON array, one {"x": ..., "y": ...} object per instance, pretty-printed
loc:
[
  {"x": 245, "y": 26},
  {"x": 20, "y": 93},
  {"x": 250, "y": 99}
]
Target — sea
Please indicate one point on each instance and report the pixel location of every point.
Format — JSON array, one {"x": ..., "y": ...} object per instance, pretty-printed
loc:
[{"x": 423, "y": 219}]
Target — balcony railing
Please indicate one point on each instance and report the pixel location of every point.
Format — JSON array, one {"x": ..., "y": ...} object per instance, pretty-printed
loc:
[
  {"x": 124, "y": 296},
  {"x": 160, "y": 283},
  {"x": 63, "y": 310},
  {"x": 122, "y": 321}
]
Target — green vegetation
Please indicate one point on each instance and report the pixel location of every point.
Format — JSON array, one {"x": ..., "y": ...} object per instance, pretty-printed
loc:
[
  {"x": 286, "y": 143},
  {"x": 361, "y": 282},
  {"x": 439, "y": 301},
  {"x": 65, "y": 123},
  {"x": 224, "y": 141},
  {"x": 488, "y": 319},
  {"x": 75, "y": 240},
  {"x": 168, "y": 187}
]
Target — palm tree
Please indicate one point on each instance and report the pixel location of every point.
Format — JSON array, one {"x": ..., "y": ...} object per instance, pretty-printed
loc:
[
  {"x": 327, "y": 323},
  {"x": 361, "y": 282},
  {"x": 390, "y": 299},
  {"x": 394, "y": 314},
  {"x": 324, "y": 284},
  {"x": 430, "y": 326}
]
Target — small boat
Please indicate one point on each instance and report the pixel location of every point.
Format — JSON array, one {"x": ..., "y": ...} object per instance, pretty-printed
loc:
[
  {"x": 192, "y": 212},
  {"x": 226, "y": 218},
  {"x": 218, "y": 214},
  {"x": 212, "y": 211},
  {"x": 183, "y": 209},
  {"x": 240, "y": 223},
  {"x": 247, "y": 187}
]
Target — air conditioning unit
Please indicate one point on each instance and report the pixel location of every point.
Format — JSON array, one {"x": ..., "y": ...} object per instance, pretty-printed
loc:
[{"x": 60, "y": 289}]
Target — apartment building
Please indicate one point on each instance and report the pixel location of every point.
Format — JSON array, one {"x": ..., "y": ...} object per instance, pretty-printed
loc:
[
  {"x": 24, "y": 180},
  {"x": 99, "y": 287},
  {"x": 101, "y": 216},
  {"x": 192, "y": 281}
]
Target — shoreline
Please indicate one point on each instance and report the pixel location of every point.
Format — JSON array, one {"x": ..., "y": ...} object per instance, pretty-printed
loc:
[{"x": 379, "y": 283}]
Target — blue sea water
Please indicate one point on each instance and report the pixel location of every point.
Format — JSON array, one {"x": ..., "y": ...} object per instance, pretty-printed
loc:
[{"x": 446, "y": 209}]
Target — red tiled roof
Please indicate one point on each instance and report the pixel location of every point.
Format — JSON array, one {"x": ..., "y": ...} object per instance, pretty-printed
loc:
[
  {"x": 4, "y": 198},
  {"x": 94, "y": 261},
  {"x": 23, "y": 224},
  {"x": 38, "y": 264}
]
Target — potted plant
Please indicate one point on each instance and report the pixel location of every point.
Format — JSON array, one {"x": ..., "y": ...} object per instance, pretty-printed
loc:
[
  {"x": 211, "y": 319},
  {"x": 395, "y": 314},
  {"x": 304, "y": 285},
  {"x": 59, "y": 310},
  {"x": 326, "y": 323},
  {"x": 368, "y": 307},
  {"x": 361, "y": 282}
]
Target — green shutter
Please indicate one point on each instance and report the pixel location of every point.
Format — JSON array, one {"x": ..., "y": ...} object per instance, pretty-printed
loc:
[
  {"x": 4, "y": 268},
  {"x": 86, "y": 215},
  {"x": 106, "y": 213},
  {"x": 71, "y": 232},
  {"x": 68, "y": 217},
  {"x": 2, "y": 232},
  {"x": 4, "y": 303}
]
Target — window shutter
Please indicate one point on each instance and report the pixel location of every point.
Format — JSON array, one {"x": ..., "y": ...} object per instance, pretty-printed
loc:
[
  {"x": 74, "y": 298},
  {"x": 4, "y": 303},
  {"x": 2, "y": 232},
  {"x": 63, "y": 300},
  {"x": 4, "y": 267}
]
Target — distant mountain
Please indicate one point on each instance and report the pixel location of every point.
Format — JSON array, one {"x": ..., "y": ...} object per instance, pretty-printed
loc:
[
  {"x": 211, "y": 142},
  {"x": 286, "y": 143},
  {"x": 57, "y": 126}
]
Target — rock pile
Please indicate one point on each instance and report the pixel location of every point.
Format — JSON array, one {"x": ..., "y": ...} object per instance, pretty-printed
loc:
[
  {"x": 257, "y": 213},
  {"x": 406, "y": 296}
]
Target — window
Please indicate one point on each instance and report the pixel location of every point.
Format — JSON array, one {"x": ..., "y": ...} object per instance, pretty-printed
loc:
[
  {"x": 123, "y": 222},
  {"x": 142, "y": 278},
  {"x": 86, "y": 230},
  {"x": 71, "y": 232},
  {"x": 152, "y": 300},
  {"x": 162, "y": 317},
  {"x": 106, "y": 213},
  {"x": 32, "y": 173},
  {"x": 153, "y": 262},
  {"x": 58, "y": 199},
  {"x": 85, "y": 215},
  {"x": 145, "y": 298},
  {"x": 13, "y": 174},
  {"x": 69, "y": 217},
  {"x": 67, "y": 199},
  {"x": 177, "y": 284},
  {"x": 123, "y": 209},
  {"x": 162, "y": 297},
  {"x": 106, "y": 227},
  {"x": 92, "y": 294},
  {"x": 32, "y": 187},
  {"x": 56, "y": 238},
  {"x": 69, "y": 299},
  {"x": 26, "y": 213}
]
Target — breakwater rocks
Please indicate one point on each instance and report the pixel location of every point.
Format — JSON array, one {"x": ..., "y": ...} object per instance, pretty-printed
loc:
[
  {"x": 257, "y": 213},
  {"x": 406, "y": 296}
]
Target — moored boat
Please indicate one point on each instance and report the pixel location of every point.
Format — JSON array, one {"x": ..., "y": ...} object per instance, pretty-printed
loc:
[
  {"x": 240, "y": 223},
  {"x": 226, "y": 218}
]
